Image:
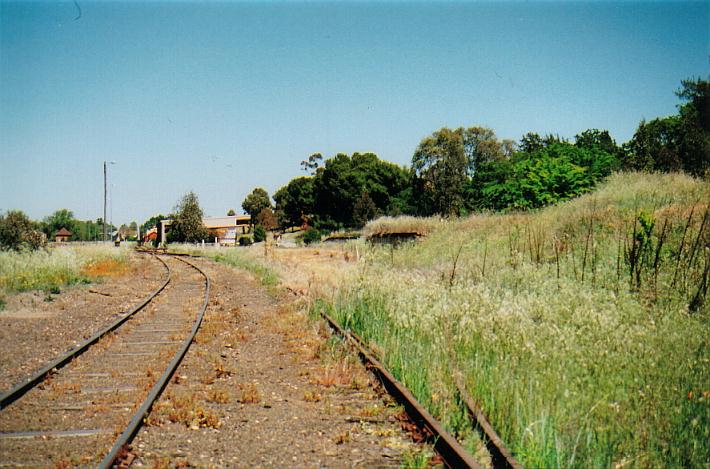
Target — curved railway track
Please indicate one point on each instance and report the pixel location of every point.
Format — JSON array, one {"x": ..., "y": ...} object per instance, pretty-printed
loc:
[{"x": 83, "y": 414}]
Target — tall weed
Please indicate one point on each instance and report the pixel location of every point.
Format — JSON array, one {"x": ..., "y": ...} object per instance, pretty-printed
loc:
[
  {"x": 579, "y": 334},
  {"x": 48, "y": 269}
]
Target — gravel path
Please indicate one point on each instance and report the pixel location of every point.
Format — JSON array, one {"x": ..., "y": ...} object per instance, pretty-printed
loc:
[{"x": 264, "y": 387}]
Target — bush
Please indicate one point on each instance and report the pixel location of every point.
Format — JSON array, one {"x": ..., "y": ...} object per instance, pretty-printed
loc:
[
  {"x": 245, "y": 241},
  {"x": 17, "y": 232},
  {"x": 259, "y": 234},
  {"x": 311, "y": 235}
]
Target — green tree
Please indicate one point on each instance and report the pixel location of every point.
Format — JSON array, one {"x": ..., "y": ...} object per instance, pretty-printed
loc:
[
  {"x": 441, "y": 166},
  {"x": 62, "y": 218},
  {"x": 343, "y": 179},
  {"x": 259, "y": 234},
  {"x": 677, "y": 142},
  {"x": 694, "y": 127},
  {"x": 17, "y": 231},
  {"x": 364, "y": 210},
  {"x": 656, "y": 146},
  {"x": 548, "y": 175},
  {"x": 294, "y": 200},
  {"x": 311, "y": 236},
  {"x": 481, "y": 146},
  {"x": 87, "y": 230},
  {"x": 231, "y": 212},
  {"x": 187, "y": 224},
  {"x": 531, "y": 142},
  {"x": 595, "y": 138},
  {"x": 312, "y": 164},
  {"x": 256, "y": 202}
]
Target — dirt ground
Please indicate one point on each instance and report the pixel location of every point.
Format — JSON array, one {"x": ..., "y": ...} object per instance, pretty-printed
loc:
[
  {"x": 36, "y": 327},
  {"x": 264, "y": 387}
]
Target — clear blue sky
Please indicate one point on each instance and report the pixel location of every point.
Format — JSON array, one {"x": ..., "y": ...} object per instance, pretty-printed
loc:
[{"x": 222, "y": 97}]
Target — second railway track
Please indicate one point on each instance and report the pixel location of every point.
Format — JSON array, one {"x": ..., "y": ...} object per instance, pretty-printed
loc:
[{"x": 82, "y": 414}]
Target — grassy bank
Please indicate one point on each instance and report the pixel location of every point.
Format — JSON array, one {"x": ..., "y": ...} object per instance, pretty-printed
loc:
[
  {"x": 582, "y": 329},
  {"x": 50, "y": 269}
]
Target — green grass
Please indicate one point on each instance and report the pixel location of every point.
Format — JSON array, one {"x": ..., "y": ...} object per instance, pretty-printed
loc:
[
  {"x": 577, "y": 360},
  {"x": 50, "y": 269}
]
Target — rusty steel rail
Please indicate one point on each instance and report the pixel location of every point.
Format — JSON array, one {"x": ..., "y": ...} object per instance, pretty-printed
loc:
[
  {"x": 18, "y": 391},
  {"x": 501, "y": 456},
  {"x": 451, "y": 451},
  {"x": 137, "y": 420}
]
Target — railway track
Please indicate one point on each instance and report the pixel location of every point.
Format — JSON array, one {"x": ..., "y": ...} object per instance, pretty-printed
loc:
[
  {"x": 451, "y": 451},
  {"x": 85, "y": 412}
]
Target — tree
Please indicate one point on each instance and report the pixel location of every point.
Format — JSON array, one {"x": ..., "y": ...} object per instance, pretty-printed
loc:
[
  {"x": 531, "y": 142},
  {"x": 266, "y": 219},
  {"x": 364, "y": 210},
  {"x": 259, "y": 234},
  {"x": 295, "y": 199},
  {"x": 62, "y": 218},
  {"x": 551, "y": 174},
  {"x": 441, "y": 166},
  {"x": 17, "y": 231},
  {"x": 312, "y": 163},
  {"x": 677, "y": 142},
  {"x": 595, "y": 138},
  {"x": 655, "y": 146},
  {"x": 256, "y": 202},
  {"x": 481, "y": 146},
  {"x": 231, "y": 212},
  {"x": 187, "y": 224},
  {"x": 694, "y": 126},
  {"x": 343, "y": 179},
  {"x": 151, "y": 223}
]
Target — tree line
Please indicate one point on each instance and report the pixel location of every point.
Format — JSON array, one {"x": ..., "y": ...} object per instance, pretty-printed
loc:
[
  {"x": 453, "y": 172},
  {"x": 457, "y": 171},
  {"x": 18, "y": 231}
]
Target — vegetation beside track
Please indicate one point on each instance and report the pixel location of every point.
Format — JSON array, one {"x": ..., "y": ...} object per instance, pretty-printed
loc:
[
  {"x": 241, "y": 258},
  {"x": 582, "y": 329},
  {"x": 56, "y": 267}
]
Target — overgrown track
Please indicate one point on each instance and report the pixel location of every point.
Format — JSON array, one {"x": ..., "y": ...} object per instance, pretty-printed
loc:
[
  {"x": 85, "y": 413},
  {"x": 451, "y": 451}
]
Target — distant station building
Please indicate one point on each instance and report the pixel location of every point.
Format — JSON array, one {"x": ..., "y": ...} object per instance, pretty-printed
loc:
[
  {"x": 225, "y": 230},
  {"x": 62, "y": 235},
  {"x": 151, "y": 235}
]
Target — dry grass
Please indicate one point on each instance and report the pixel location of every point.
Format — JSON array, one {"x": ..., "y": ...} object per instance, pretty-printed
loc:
[
  {"x": 399, "y": 225},
  {"x": 185, "y": 409},
  {"x": 218, "y": 396},
  {"x": 249, "y": 394},
  {"x": 341, "y": 438},
  {"x": 105, "y": 268},
  {"x": 312, "y": 396}
]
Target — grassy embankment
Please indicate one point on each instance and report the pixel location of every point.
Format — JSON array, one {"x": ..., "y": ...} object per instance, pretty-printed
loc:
[
  {"x": 580, "y": 328},
  {"x": 53, "y": 268}
]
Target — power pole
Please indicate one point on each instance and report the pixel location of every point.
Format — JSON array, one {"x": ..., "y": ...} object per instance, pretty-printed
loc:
[{"x": 104, "y": 220}]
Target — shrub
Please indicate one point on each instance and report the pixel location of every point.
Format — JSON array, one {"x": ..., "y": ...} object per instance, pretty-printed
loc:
[
  {"x": 311, "y": 236},
  {"x": 245, "y": 241},
  {"x": 259, "y": 234},
  {"x": 17, "y": 232}
]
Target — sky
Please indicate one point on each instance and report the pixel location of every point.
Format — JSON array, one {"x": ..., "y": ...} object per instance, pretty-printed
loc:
[{"x": 223, "y": 97}]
